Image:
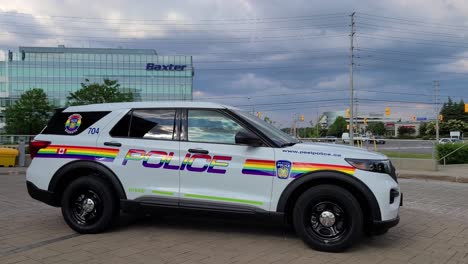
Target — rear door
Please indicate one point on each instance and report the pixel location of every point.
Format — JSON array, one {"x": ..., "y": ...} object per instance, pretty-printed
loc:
[{"x": 148, "y": 160}]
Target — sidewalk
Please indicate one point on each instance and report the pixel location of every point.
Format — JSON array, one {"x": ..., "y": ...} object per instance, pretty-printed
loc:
[
  {"x": 450, "y": 173},
  {"x": 12, "y": 170}
]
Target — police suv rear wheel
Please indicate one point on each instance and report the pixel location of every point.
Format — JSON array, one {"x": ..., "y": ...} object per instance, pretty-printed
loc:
[
  {"x": 328, "y": 218},
  {"x": 89, "y": 205}
]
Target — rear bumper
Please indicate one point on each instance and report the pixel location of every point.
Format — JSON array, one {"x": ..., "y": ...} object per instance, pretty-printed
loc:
[{"x": 41, "y": 195}]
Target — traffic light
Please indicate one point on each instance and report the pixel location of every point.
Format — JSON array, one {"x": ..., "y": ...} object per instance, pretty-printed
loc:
[
  {"x": 301, "y": 118},
  {"x": 466, "y": 108},
  {"x": 387, "y": 111},
  {"x": 365, "y": 120},
  {"x": 348, "y": 112},
  {"x": 441, "y": 117}
]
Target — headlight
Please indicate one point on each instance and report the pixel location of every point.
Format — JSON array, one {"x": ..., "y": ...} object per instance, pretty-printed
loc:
[{"x": 380, "y": 166}]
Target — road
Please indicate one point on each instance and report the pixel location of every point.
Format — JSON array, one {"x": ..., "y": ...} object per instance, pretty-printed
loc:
[
  {"x": 406, "y": 146},
  {"x": 433, "y": 229},
  {"x": 399, "y": 145}
]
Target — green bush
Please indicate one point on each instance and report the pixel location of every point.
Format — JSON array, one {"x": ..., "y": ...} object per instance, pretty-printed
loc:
[{"x": 459, "y": 157}]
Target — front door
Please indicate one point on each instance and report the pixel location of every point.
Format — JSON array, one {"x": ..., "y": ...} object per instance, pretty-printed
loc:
[
  {"x": 148, "y": 160},
  {"x": 216, "y": 171}
]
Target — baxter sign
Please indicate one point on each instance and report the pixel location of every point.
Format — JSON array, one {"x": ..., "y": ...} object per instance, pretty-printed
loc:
[{"x": 167, "y": 67}]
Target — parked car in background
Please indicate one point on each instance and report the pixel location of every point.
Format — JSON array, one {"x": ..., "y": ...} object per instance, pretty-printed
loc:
[
  {"x": 345, "y": 137},
  {"x": 330, "y": 139},
  {"x": 377, "y": 140},
  {"x": 449, "y": 140}
]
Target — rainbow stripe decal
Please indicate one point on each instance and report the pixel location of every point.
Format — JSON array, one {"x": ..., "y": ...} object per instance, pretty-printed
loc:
[
  {"x": 78, "y": 152},
  {"x": 268, "y": 168},
  {"x": 259, "y": 167},
  {"x": 300, "y": 168}
]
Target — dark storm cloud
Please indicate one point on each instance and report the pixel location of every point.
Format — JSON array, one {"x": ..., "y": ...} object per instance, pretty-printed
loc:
[{"x": 275, "y": 51}]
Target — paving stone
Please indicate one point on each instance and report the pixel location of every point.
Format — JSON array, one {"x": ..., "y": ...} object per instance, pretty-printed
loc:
[{"x": 433, "y": 229}]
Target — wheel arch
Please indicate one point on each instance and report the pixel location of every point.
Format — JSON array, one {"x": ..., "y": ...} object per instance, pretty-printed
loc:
[
  {"x": 76, "y": 169},
  {"x": 363, "y": 194}
]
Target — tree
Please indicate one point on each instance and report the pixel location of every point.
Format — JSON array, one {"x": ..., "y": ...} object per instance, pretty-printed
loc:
[
  {"x": 96, "y": 93},
  {"x": 422, "y": 129},
  {"x": 377, "y": 128},
  {"x": 29, "y": 114},
  {"x": 451, "y": 110},
  {"x": 338, "y": 127}
]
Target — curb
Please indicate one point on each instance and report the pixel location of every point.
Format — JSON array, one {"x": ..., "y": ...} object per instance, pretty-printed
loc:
[{"x": 446, "y": 178}]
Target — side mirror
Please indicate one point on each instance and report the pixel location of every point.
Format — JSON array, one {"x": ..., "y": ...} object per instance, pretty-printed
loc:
[{"x": 248, "y": 138}]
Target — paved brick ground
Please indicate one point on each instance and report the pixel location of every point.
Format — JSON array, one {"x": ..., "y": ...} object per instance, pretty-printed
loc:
[{"x": 434, "y": 229}]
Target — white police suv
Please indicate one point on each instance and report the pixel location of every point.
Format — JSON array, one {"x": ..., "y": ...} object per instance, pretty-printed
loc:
[{"x": 96, "y": 160}]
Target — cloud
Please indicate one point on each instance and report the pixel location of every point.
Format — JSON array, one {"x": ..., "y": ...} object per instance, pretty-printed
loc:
[{"x": 261, "y": 48}]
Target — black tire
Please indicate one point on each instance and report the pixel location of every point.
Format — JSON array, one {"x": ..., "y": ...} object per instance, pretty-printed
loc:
[
  {"x": 313, "y": 207},
  {"x": 101, "y": 211}
]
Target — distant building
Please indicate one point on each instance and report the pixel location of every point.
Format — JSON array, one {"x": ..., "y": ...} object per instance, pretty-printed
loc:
[
  {"x": 391, "y": 123},
  {"x": 61, "y": 70}
]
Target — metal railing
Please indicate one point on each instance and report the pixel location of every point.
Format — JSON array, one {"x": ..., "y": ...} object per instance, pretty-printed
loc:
[
  {"x": 14, "y": 140},
  {"x": 18, "y": 142},
  {"x": 457, "y": 149}
]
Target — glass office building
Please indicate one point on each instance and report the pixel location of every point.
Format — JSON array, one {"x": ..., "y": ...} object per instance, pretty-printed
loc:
[{"x": 61, "y": 70}]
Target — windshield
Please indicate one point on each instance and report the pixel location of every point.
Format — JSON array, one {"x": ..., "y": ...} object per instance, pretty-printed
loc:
[{"x": 276, "y": 135}]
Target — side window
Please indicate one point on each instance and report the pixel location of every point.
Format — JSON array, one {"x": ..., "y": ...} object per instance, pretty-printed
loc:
[
  {"x": 211, "y": 127},
  {"x": 148, "y": 124},
  {"x": 72, "y": 123},
  {"x": 122, "y": 128}
]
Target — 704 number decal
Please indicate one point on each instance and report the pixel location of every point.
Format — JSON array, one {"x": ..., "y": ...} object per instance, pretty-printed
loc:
[{"x": 93, "y": 130}]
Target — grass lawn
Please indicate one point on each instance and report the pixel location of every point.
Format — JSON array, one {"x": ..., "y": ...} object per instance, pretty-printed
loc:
[{"x": 394, "y": 154}]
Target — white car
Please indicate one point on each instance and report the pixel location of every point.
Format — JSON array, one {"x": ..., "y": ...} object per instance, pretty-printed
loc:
[
  {"x": 95, "y": 160},
  {"x": 450, "y": 140}
]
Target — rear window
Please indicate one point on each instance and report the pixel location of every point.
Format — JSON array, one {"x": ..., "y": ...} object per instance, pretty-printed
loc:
[
  {"x": 147, "y": 124},
  {"x": 72, "y": 123}
]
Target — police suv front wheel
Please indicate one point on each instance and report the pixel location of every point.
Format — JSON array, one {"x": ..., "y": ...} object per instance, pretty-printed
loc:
[
  {"x": 89, "y": 205},
  {"x": 328, "y": 218}
]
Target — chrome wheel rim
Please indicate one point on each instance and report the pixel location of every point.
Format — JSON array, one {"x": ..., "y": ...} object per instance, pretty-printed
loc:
[
  {"x": 326, "y": 221},
  {"x": 86, "y": 207}
]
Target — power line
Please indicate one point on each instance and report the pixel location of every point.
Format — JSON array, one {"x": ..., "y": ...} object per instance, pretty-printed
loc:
[
  {"x": 173, "y": 41},
  {"x": 296, "y": 102},
  {"x": 16, "y": 25},
  {"x": 410, "y": 40},
  {"x": 407, "y": 21},
  {"x": 16, "y": 14},
  {"x": 270, "y": 95},
  {"x": 110, "y": 21},
  {"x": 406, "y": 30}
]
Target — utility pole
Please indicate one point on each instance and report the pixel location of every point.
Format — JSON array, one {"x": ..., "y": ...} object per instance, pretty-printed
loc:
[
  {"x": 436, "y": 107},
  {"x": 351, "y": 82}
]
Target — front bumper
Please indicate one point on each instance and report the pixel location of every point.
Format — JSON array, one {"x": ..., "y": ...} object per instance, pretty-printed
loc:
[
  {"x": 380, "y": 225},
  {"x": 41, "y": 195}
]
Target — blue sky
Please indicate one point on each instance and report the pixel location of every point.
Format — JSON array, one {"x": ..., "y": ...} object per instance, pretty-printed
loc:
[{"x": 277, "y": 57}]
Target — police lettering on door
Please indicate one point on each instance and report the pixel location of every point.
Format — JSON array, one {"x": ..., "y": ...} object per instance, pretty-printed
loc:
[{"x": 162, "y": 159}]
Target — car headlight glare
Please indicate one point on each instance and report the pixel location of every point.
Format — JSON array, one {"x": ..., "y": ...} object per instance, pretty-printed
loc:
[{"x": 380, "y": 166}]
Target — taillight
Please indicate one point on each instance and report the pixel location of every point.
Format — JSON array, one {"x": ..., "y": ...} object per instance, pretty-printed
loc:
[{"x": 36, "y": 145}]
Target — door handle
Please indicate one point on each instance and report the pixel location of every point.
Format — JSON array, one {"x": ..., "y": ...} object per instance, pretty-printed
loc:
[
  {"x": 112, "y": 144},
  {"x": 201, "y": 151}
]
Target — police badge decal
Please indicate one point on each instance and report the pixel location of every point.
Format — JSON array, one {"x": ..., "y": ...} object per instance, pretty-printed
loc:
[
  {"x": 73, "y": 123},
  {"x": 283, "y": 169}
]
